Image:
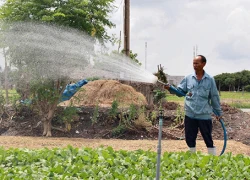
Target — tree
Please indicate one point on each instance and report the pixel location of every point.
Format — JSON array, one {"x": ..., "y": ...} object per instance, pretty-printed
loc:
[
  {"x": 230, "y": 82},
  {"x": 245, "y": 77},
  {"x": 238, "y": 80},
  {"x": 233, "y": 81},
  {"x": 247, "y": 88},
  {"x": 89, "y": 16},
  {"x": 132, "y": 56}
]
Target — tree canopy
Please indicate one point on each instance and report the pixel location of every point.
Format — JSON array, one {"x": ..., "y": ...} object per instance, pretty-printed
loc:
[
  {"x": 233, "y": 81},
  {"x": 90, "y": 16}
]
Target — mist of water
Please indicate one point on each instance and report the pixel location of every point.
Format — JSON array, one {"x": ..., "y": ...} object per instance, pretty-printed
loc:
[{"x": 54, "y": 52}]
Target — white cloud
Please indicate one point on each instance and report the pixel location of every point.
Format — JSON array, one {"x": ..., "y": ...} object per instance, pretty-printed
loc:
[
  {"x": 236, "y": 43},
  {"x": 171, "y": 28}
]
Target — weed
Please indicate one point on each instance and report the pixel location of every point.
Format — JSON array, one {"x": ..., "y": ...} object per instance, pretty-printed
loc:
[
  {"x": 94, "y": 119},
  {"x": 179, "y": 116},
  {"x": 159, "y": 95},
  {"x": 118, "y": 130},
  {"x": 114, "y": 109},
  {"x": 68, "y": 116}
]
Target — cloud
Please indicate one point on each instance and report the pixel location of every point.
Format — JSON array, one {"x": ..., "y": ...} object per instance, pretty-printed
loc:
[
  {"x": 220, "y": 29},
  {"x": 236, "y": 42}
]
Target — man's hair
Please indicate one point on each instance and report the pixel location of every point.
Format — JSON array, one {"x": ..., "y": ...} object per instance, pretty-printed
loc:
[{"x": 203, "y": 59}]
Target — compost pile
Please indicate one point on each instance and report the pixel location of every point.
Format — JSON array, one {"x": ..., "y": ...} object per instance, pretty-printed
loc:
[{"x": 103, "y": 93}]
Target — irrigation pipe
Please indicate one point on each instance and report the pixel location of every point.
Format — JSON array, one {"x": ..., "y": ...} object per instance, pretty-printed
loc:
[{"x": 159, "y": 145}]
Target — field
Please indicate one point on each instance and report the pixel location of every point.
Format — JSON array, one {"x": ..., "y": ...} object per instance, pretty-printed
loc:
[
  {"x": 234, "y": 99},
  {"x": 71, "y": 158},
  {"x": 82, "y": 158}
]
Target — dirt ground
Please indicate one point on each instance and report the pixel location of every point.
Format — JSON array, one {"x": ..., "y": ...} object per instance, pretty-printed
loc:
[
  {"x": 25, "y": 132},
  {"x": 117, "y": 144},
  {"x": 24, "y": 128}
]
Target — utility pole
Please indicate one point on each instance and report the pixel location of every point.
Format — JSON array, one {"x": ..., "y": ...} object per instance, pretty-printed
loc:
[
  {"x": 194, "y": 54},
  {"x": 127, "y": 27},
  {"x": 145, "y": 55},
  {"x": 195, "y": 51},
  {"x": 119, "y": 45}
]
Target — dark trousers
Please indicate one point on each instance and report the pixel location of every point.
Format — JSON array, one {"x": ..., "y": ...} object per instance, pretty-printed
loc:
[{"x": 191, "y": 130}]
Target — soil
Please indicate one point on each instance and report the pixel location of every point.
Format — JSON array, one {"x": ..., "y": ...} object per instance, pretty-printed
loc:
[
  {"x": 117, "y": 144},
  {"x": 24, "y": 129}
]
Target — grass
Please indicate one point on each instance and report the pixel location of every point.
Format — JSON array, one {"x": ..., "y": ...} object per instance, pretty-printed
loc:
[
  {"x": 235, "y": 95},
  {"x": 234, "y": 99},
  {"x": 12, "y": 94}
]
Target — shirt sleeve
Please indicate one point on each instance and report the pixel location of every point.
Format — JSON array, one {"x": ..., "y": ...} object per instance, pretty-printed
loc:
[
  {"x": 215, "y": 99},
  {"x": 183, "y": 85},
  {"x": 180, "y": 90}
]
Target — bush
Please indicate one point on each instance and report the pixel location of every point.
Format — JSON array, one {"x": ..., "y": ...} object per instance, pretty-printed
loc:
[
  {"x": 247, "y": 88},
  {"x": 159, "y": 95}
]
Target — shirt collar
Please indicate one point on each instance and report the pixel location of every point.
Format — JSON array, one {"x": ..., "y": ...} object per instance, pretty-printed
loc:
[{"x": 204, "y": 76}]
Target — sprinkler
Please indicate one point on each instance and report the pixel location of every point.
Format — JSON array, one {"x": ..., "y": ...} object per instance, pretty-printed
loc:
[{"x": 179, "y": 93}]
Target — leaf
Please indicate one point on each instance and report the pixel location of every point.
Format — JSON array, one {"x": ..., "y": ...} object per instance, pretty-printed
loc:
[
  {"x": 47, "y": 18},
  {"x": 57, "y": 14}
]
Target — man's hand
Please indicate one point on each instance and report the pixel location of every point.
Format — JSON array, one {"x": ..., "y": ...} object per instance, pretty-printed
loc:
[
  {"x": 166, "y": 86},
  {"x": 218, "y": 117}
]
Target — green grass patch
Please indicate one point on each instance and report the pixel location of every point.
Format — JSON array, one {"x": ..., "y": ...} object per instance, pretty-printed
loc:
[
  {"x": 235, "y": 95},
  {"x": 108, "y": 164},
  {"x": 241, "y": 105},
  {"x": 174, "y": 98},
  {"x": 234, "y": 99},
  {"x": 12, "y": 94}
]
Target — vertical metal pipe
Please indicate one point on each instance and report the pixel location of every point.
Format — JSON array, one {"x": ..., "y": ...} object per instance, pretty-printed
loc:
[{"x": 159, "y": 145}]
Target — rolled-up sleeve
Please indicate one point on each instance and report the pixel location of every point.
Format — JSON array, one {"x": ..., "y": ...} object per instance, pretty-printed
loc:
[{"x": 179, "y": 91}]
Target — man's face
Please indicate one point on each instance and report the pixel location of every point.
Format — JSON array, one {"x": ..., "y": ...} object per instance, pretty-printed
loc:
[{"x": 198, "y": 64}]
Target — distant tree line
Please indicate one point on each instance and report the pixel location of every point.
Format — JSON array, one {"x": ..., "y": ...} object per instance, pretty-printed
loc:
[{"x": 233, "y": 81}]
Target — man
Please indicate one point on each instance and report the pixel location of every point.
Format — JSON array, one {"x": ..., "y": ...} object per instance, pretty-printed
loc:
[{"x": 201, "y": 99}]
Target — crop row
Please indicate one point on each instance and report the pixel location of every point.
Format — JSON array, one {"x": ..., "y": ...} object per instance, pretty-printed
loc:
[{"x": 106, "y": 163}]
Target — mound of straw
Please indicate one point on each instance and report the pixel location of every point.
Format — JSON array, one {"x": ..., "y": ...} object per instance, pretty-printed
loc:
[{"x": 103, "y": 93}]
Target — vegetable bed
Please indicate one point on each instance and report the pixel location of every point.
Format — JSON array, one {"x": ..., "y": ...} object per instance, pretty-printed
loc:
[{"x": 106, "y": 163}]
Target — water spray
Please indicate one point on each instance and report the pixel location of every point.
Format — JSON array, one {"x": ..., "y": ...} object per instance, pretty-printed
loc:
[{"x": 54, "y": 51}]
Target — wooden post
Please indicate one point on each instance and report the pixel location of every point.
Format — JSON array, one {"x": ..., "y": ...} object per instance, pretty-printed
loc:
[{"x": 127, "y": 27}]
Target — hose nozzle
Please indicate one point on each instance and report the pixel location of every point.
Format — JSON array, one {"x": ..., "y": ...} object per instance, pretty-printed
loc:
[{"x": 165, "y": 84}]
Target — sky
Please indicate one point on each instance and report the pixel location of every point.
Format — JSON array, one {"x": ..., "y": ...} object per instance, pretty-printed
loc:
[
  {"x": 220, "y": 30},
  {"x": 172, "y": 28}
]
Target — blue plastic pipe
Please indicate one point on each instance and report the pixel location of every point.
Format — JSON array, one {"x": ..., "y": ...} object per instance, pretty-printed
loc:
[{"x": 179, "y": 93}]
